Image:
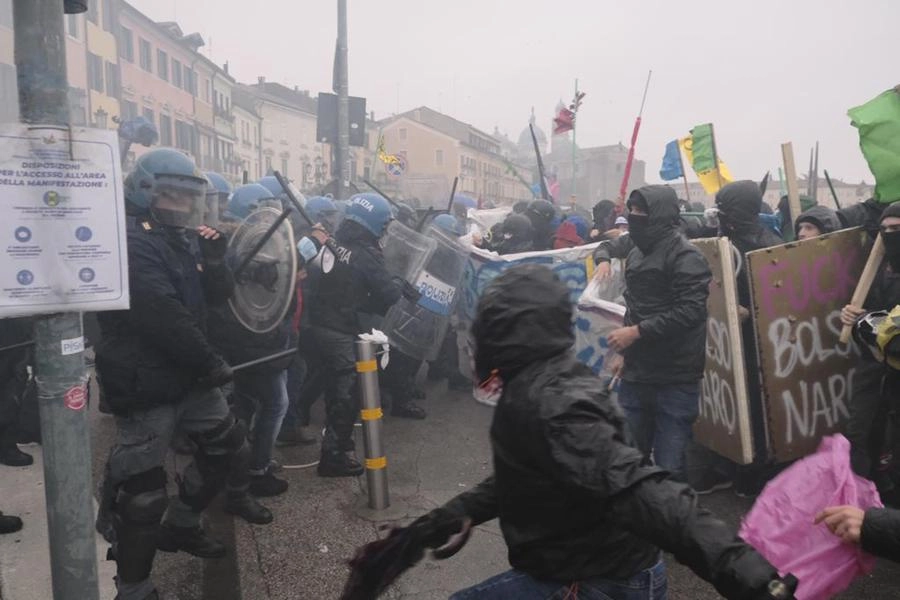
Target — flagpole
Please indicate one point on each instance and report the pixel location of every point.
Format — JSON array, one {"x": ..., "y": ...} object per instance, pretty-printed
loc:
[
  {"x": 545, "y": 194},
  {"x": 628, "y": 161},
  {"x": 687, "y": 190},
  {"x": 712, "y": 136},
  {"x": 574, "y": 126}
]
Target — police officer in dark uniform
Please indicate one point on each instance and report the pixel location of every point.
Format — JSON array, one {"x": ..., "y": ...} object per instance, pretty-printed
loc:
[
  {"x": 160, "y": 374},
  {"x": 355, "y": 281}
]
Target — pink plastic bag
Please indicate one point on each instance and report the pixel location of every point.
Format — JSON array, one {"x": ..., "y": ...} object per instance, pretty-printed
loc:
[{"x": 780, "y": 524}]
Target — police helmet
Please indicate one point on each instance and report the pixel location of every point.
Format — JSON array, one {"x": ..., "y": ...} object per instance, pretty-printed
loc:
[
  {"x": 167, "y": 186},
  {"x": 246, "y": 199},
  {"x": 371, "y": 211},
  {"x": 448, "y": 224}
]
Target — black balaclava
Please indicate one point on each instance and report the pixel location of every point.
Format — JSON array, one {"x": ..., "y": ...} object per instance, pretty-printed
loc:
[{"x": 892, "y": 239}]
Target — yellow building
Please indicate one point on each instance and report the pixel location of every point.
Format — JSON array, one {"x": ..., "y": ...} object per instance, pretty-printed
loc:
[
  {"x": 104, "y": 80},
  {"x": 435, "y": 148}
]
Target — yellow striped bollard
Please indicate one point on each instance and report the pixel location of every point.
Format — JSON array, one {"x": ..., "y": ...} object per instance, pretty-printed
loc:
[{"x": 370, "y": 398}]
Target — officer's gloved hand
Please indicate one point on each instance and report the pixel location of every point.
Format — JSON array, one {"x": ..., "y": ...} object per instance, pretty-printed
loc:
[
  {"x": 263, "y": 273},
  {"x": 217, "y": 376},
  {"x": 213, "y": 244},
  {"x": 779, "y": 589},
  {"x": 443, "y": 531},
  {"x": 408, "y": 291}
]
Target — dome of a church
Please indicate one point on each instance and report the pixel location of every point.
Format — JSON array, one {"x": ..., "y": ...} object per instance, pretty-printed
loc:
[{"x": 525, "y": 136}]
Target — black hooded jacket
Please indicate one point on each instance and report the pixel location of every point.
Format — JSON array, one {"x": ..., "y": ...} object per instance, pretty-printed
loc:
[
  {"x": 826, "y": 219},
  {"x": 666, "y": 286},
  {"x": 573, "y": 498}
]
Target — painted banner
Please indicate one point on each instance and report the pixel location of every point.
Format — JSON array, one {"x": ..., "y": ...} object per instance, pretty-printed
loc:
[
  {"x": 599, "y": 311},
  {"x": 723, "y": 423},
  {"x": 807, "y": 374}
]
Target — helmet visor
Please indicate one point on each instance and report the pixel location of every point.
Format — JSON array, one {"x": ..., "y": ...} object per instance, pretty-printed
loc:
[{"x": 179, "y": 201}]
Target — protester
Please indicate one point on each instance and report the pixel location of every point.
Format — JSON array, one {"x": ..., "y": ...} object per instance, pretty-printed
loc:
[
  {"x": 816, "y": 221},
  {"x": 160, "y": 373},
  {"x": 876, "y": 530},
  {"x": 542, "y": 215},
  {"x": 871, "y": 399},
  {"x": 622, "y": 224},
  {"x": 663, "y": 341},
  {"x": 785, "y": 218},
  {"x": 566, "y": 235},
  {"x": 579, "y": 510},
  {"x": 516, "y": 235}
]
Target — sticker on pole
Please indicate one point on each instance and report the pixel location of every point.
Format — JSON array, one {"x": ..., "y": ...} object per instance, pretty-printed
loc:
[
  {"x": 76, "y": 397},
  {"x": 63, "y": 243}
]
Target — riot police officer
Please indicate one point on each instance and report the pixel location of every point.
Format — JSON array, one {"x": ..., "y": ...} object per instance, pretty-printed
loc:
[
  {"x": 160, "y": 374},
  {"x": 355, "y": 282}
]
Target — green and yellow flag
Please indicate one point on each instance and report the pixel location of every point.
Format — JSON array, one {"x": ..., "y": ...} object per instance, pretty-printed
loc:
[
  {"x": 878, "y": 122},
  {"x": 699, "y": 148}
]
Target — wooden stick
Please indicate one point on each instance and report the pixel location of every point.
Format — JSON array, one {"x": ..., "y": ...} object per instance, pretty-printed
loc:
[
  {"x": 865, "y": 282},
  {"x": 790, "y": 174}
]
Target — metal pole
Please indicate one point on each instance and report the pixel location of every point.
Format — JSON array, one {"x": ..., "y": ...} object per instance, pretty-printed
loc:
[
  {"x": 40, "y": 56},
  {"x": 370, "y": 398},
  {"x": 837, "y": 202},
  {"x": 574, "y": 126},
  {"x": 342, "y": 151}
]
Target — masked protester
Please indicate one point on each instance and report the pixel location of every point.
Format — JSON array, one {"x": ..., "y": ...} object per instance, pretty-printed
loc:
[
  {"x": 816, "y": 221},
  {"x": 579, "y": 510},
  {"x": 516, "y": 235},
  {"x": 542, "y": 215},
  {"x": 160, "y": 374},
  {"x": 872, "y": 398},
  {"x": 664, "y": 339},
  {"x": 354, "y": 282}
]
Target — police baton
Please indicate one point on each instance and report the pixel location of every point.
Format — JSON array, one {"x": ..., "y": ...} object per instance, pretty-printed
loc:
[
  {"x": 380, "y": 193},
  {"x": 329, "y": 243},
  {"x": 264, "y": 359}
]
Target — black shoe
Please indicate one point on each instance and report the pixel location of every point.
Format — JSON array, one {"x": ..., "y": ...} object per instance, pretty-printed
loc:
[
  {"x": 339, "y": 464},
  {"x": 710, "y": 482},
  {"x": 14, "y": 457},
  {"x": 246, "y": 507},
  {"x": 410, "y": 410},
  {"x": 192, "y": 540},
  {"x": 9, "y": 524},
  {"x": 154, "y": 595},
  {"x": 264, "y": 486}
]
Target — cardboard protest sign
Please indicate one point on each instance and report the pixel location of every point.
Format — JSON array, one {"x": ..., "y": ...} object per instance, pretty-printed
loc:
[
  {"x": 723, "y": 423},
  {"x": 807, "y": 373}
]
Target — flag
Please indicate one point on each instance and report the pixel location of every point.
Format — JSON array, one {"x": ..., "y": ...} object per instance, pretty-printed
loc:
[
  {"x": 704, "y": 148},
  {"x": 709, "y": 179},
  {"x": 383, "y": 156},
  {"x": 671, "y": 163},
  {"x": 564, "y": 120},
  {"x": 878, "y": 122}
]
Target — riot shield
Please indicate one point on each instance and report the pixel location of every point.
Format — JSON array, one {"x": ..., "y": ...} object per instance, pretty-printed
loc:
[
  {"x": 418, "y": 329},
  {"x": 405, "y": 251},
  {"x": 263, "y": 291}
]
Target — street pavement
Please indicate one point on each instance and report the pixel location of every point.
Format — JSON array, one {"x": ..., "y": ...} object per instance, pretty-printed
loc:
[{"x": 320, "y": 522}]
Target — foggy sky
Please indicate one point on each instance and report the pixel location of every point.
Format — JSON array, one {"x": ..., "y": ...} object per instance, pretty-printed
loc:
[{"x": 764, "y": 72}]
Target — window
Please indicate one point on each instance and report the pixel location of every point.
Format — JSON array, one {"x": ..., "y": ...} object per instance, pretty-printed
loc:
[
  {"x": 77, "y": 104},
  {"x": 206, "y": 92},
  {"x": 439, "y": 158},
  {"x": 148, "y": 114},
  {"x": 176, "y": 73},
  {"x": 108, "y": 21},
  {"x": 92, "y": 11},
  {"x": 129, "y": 110},
  {"x": 72, "y": 25},
  {"x": 403, "y": 133},
  {"x": 126, "y": 44},
  {"x": 95, "y": 72},
  {"x": 184, "y": 136},
  {"x": 268, "y": 164},
  {"x": 190, "y": 81},
  {"x": 162, "y": 64},
  {"x": 165, "y": 130},
  {"x": 284, "y": 165},
  {"x": 146, "y": 57},
  {"x": 113, "y": 81}
]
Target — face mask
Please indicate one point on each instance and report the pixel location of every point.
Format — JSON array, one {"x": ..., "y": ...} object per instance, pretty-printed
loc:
[
  {"x": 638, "y": 226},
  {"x": 892, "y": 249}
]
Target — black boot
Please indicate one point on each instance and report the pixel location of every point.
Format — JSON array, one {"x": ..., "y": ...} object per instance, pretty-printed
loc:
[
  {"x": 9, "y": 524},
  {"x": 192, "y": 540},
  {"x": 338, "y": 464},
  {"x": 408, "y": 410},
  {"x": 265, "y": 486},
  {"x": 245, "y": 506},
  {"x": 13, "y": 457}
]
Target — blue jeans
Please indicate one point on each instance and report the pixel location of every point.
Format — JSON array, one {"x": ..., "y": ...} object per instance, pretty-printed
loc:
[
  {"x": 661, "y": 418},
  {"x": 263, "y": 393},
  {"x": 649, "y": 584}
]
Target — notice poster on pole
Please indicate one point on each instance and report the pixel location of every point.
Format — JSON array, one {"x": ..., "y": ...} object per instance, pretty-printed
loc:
[
  {"x": 62, "y": 221},
  {"x": 807, "y": 373},
  {"x": 723, "y": 422}
]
